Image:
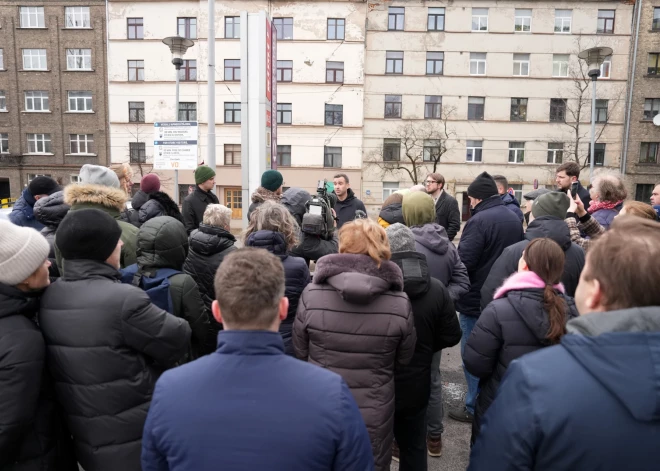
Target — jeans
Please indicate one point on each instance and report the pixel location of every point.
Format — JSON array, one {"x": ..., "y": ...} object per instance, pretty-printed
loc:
[
  {"x": 467, "y": 324},
  {"x": 410, "y": 435},
  {"x": 434, "y": 411}
]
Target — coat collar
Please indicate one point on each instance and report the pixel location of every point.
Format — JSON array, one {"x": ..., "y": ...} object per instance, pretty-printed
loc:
[
  {"x": 488, "y": 203},
  {"x": 336, "y": 264},
  {"x": 250, "y": 342},
  {"x": 107, "y": 198},
  {"x": 75, "y": 270}
]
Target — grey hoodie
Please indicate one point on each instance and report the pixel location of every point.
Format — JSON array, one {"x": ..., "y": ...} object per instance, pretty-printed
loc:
[{"x": 637, "y": 319}]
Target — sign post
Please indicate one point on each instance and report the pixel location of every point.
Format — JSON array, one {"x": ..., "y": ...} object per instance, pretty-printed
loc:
[{"x": 175, "y": 145}]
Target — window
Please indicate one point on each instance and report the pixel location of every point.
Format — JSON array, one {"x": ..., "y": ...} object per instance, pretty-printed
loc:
[
  {"x": 434, "y": 62},
  {"x": 557, "y": 110},
  {"x": 334, "y": 72},
  {"x": 476, "y": 108},
  {"x": 136, "y": 112},
  {"x": 606, "y": 67},
  {"x": 186, "y": 27},
  {"x": 480, "y": 19},
  {"x": 651, "y": 108},
  {"x": 521, "y": 65},
  {"x": 560, "y": 65},
  {"x": 232, "y": 112},
  {"x": 601, "y": 111},
  {"x": 523, "y": 21},
  {"x": 2, "y": 59},
  {"x": 432, "y": 107},
  {"x": 80, "y": 102},
  {"x": 32, "y": 17},
  {"x": 654, "y": 63},
  {"x": 232, "y": 70},
  {"x": 396, "y": 18},
  {"x": 563, "y": 21},
  {"x": 392, "y": 106},
  {"x": 135, "y": 71},
  {"x": 394, "y": 62},
  {"x": 79, "y": 59},
  {"x": 391, "y": 150},
  {"x": 81, "y": 143},
  {"x": 135, "y": 28},
  {"x": 284, "y": 113},
  {"x": 599, "y": 154},
  {"x": 516, "y": 152},
  {"x": 3, "y": 101},
  {"x": 34, "y": 59},
  {"x": 555, "y": 152},
  {"x": 188, "y": 71},
  {"x": 656, "y": 19},
  {"x": 76, "y": 179},
  {"x": 77, "y": 17},
  {"x": 233, "y": 27},
  {"x": 432, "y": 150},
  {"x": 36, "y": 101},
  {"x": 138, "y": 152},
  {"x": 474, "y": 151},
  {"x": 518, "y": 109},
  {"x": 334, "y": 115},
  {"x": 187, "y": 111},
  {"x": 284, "y": 71},
  {"x": 605, "y": 22},
  {"x": 4, "y": 143},
  {"x": 643, "y": 191},
  {"x": 232, "y": 154},
  {"x": 332, "y": 157},
  {"x": 38, "y": 143},
  {"x": 284, "y": 156},
  {"x": 436, "y": 20},
  {"x": 477, "y": 63},
  {"x": 284, "y": 28},
  {"x": 649, "y": 153},
  {"x": 517, "y": 190},
  {"x": 389, "y": 188},
  {"x": 336, "y": 28}
]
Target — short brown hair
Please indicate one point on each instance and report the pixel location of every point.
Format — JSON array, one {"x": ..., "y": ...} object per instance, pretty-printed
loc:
[
  {"x": 342, "y": 175},
  {"x": 639, "y": 209},
  {"x": 438, "y": 178},
  {"x": 624, "y": 260},
  {"x": 610, "y": 188},
  {"x": 572, "y": 169},
  {"x": 249, "y": 285},
  {"x": 365, "y": 237},
  {"x": 501, "y": 179},
  {"x": 394, "y": 198}
]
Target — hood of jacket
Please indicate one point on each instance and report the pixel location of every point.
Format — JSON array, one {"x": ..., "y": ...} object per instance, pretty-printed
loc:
[
  {"x": 262, "y": 194},
  {"x": 415, "y": 270},
  {"x": 15, "y": 302},
  {"x": 618, "y": 348},
  {"x": 295, "y": 199},
  {"x": 350, "y": 195},
  {"x": 433, "y": 237},
  {"x": 509, "y": 199},
  {"x": 488, "y": 203},
  {"x": 357, "y": 278},
  {"x": 88, "y": 196},
  {"x": 139, "y": 199},
  {"x": 168, "y": 204},
  {"x": 393, "y": 213},
  {"x": 272, "y": 241},
  {"x": 552, "y": 228},
  {"x": 50, "y": 210},
  {"x": 162, "y": 243},
  {"x": 209, "y": 240},
  {"x": 25, "y": 204}
]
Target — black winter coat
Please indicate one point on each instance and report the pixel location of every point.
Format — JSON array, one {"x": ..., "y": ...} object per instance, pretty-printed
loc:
[
  {"x": 490, "y": 230},
  {"x": 33, "y": 436},
  {"x": 159, "y": 204},
  {"x": 296, "y": 272},
  {"x": 194, "y": 206},
  {"x": 106, "y": 345},
  {"x": 436, "y": 324},
  {"x": 447, "y": 214},
  {"x": 512, "y": 205},
  {"x": 346, "y": 209},
  {"x": 507, "y": 264},
  {"x": 50, "y": 211},
  {"x": 132, "y": 215},
  {"x": 392, "y": 214}
]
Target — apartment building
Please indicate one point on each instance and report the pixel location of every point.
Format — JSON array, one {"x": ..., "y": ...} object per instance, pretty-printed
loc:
[
  {"x": 320, "y": 58},
  {"x": 494, "y": 86},
  {"x": 53, "y": 91}
]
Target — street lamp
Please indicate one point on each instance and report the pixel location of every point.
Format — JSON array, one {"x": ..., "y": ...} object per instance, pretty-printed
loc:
[
  {"x": 594, "y": 58},
  {"x": 178, "y": 46}
]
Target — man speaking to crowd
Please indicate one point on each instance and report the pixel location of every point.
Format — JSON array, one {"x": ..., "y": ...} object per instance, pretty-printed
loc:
[{"x": 347, "y": 204}]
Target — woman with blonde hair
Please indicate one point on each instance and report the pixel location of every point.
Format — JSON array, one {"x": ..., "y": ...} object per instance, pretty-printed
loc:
[
  {"x": 356, "y": 320},
  {"x": 125, "y": 174}
]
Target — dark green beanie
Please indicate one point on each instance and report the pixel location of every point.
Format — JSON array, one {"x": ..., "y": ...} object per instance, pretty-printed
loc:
[
  {"x": 418, "y": 209},
  {"x": 203, "y": 173},
  {"x": 272, "y": 180}
]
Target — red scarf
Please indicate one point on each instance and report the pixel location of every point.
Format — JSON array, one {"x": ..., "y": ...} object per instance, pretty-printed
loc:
[{"x": 596, "y": 205}]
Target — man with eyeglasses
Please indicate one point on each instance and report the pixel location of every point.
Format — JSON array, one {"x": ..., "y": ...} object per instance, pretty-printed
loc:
[{"x": 446, "y": 206}]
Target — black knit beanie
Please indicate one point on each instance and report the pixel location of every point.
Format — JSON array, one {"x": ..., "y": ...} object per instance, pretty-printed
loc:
[
  {"x": 87, "y": 234},
  {"x": 43, "y": 186},
  {"x": 482, "y": 187}
]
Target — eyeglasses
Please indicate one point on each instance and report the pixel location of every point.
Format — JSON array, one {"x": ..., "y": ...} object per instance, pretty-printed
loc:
[{"x": 429, "y": 182}]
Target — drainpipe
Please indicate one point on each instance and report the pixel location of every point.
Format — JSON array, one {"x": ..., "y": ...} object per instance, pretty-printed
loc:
[{"x": 624, "y": 160}]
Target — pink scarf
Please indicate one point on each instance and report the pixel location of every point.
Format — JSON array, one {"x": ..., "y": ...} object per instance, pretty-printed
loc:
[
  {"x": 596, "y": 205},
  {"x": 524, "y": 280}
]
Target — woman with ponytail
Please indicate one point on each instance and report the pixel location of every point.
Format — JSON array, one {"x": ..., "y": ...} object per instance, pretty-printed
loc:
[{"x": 528, "y": 312}]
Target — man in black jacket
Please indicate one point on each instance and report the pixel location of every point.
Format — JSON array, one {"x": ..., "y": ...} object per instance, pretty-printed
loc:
[
  {"x": 106, "y": 344},
  {"x": 568, "y": 173},
  {"x": 196, "y": 202},
  {"x": 446, "y": 206},
  {"x": 347, "y": 204}
]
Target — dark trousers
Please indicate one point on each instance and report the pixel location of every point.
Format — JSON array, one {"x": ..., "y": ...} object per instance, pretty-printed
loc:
[{"x": 410, "y": 435}]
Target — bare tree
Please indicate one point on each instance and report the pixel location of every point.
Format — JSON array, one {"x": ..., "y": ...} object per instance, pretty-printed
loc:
[
  {"x": 138, "y": 134},
  {"x": 414, "y": 148}
]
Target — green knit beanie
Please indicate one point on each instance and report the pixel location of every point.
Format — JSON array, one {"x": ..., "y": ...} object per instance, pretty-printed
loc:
[
  {"x": 203, "y": 173},
  {"x": 418, "y": 209},
  {"x": 272, "y": 180}
]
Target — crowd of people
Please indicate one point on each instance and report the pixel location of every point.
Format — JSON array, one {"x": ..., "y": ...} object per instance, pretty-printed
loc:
[{"x": 135, "y": 336}]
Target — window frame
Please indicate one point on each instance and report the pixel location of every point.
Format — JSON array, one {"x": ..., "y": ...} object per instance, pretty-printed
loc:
[
  {"x": 285, "y": 23},
  {"x": 233, "y": 70},
  {"x": 606, "y": 69},
  {"x": 435, "y": 16},
  {"x": 606, "y": 20},
  {"x": 231, "y": 22},
  {"x": 187, "y": 112},
  {"x": 187, "y": 27},
  {"x": 556, "y": 153},
  {"x": 74, "y": 57},
  {"x": 479, "y": 18},
  {"x": 2, "y": 59},
  {"x": 188, "y": 71},
  {"x": 561, "y": 65},
  {"x": 137, "y": 152},
  {"x": 522, "y": 17},
  {"x": 136, "y": 110},
  {"x": 476, "y": 150},
  {"x": 649, "y": 146},
  {"x": 234, "y": 110},
  {"x": 433, "y": 107},
  {"x": 555, "y": 105},
  {"x": 335, "y": 27},
  {"x": 655, "y": 21},
  {"x": 40, "y": 139},
  {"x": 87, "y": 141},
  {"x": 75, "y": 11},
  {"x": 283, "y": 150},
  {"x": 284, "y": 111},
  {"x": 32, "y": 57},
  {"x": 477, "y": 62},
  {"x": 433, "y": 62},
  {"x": 476, "y": 110},
  {"x": 85, "y": 99},
  {"x": 643, "y": 191},
  {"x": 647, "y": 115},
  {"x": 599, "y": 153},
  {"x": 563, "y": 21},
  {"x": 334, "y": 73},
  {"x": 602, "y": 106},
  {"x": 518, "y": 112},
  {"x": 4, "y": 143},
  {"x": 653, "y": 71},
  {"x": 389, "y": 190},
  {"x": 281, "y": 71},
  {"x": 231, "y": 150},
  {"x": 3, "y": 101},
  {"x": 521, "y": 63},
  {"x": 394, "y": 61},
  {"x": 518, "y": 153},
  {"x": 394, "y": 110},
  {"x": 138, "y": 28},
  {"x": 391, "y": 150},
  {"x": 336, "y": 114},
  {"x": 398, "y": 14},
  {"x": 427, "y": 146},
  {"x": 43, "y": 97},
  {"x": 30, "y": 13},
  {"x": 137, "y": 68},
  {"x": 330, "y": 155}
]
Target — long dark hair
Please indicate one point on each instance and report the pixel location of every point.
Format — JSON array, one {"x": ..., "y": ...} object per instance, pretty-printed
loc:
[{"x": 545, "y": 258}]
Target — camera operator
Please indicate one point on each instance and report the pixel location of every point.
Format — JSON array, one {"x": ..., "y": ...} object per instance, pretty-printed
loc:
[{"x": 314, "y": 243}]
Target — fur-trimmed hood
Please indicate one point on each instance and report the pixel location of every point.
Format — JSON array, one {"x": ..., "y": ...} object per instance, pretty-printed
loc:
[
  {"x": 262, "y": 194},
  {"x": 108, "y": 197},
  {"x": 167, "y": 205}
]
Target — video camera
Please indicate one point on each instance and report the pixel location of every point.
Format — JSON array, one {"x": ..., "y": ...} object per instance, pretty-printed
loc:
[{"x": 318, "y": 219}]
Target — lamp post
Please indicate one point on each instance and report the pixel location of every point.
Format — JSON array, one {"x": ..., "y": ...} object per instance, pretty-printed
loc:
[
  {"x": 594, "y": 58},
  {"x": 178, "y": 46}
]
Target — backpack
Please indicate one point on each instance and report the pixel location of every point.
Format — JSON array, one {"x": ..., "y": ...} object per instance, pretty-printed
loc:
[{"x": 157, "y": 287}]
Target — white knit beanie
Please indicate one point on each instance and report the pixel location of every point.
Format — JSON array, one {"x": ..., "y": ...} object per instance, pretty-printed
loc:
[
  {"x": 97, "y": 175},
  {"x": 22, "y": 251}
]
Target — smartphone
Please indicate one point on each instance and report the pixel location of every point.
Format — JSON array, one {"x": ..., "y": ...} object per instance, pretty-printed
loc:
[{"x": 574, "y": 189}]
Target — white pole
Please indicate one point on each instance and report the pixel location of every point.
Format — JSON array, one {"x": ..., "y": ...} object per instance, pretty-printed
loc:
[
  {"x": 176, "y": 118},
  {"x": 210, "y": 160},
  {"x": 593, "y": 131}
]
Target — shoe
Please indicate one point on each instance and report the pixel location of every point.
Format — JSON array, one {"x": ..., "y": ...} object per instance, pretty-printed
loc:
[
  {"x": 434, "y": 446},
  {"x": 462, "y": 415},
  {"x": 395, "y": 451}
]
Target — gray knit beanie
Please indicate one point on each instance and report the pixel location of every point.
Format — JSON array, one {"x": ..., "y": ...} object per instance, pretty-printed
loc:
[
  {"x": 97, "y": 175},
  {"x": 401, "y": 238},
  {"x": 22, "y": 251}
]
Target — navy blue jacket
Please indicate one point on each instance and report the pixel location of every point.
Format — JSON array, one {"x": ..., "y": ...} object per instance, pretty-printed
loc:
[
  {"x": 512, "y": 205},
  {"x": 592, "y": 402},
  {"x": 605, "y": 217},
  {"x": 254, "y": 408},
  {"x": 490, "y": 230},
  {"x": 22, "y": 213}
]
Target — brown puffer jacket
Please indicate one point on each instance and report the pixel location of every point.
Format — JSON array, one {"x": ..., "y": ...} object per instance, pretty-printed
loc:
[{"x": 355, "y": 320}]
